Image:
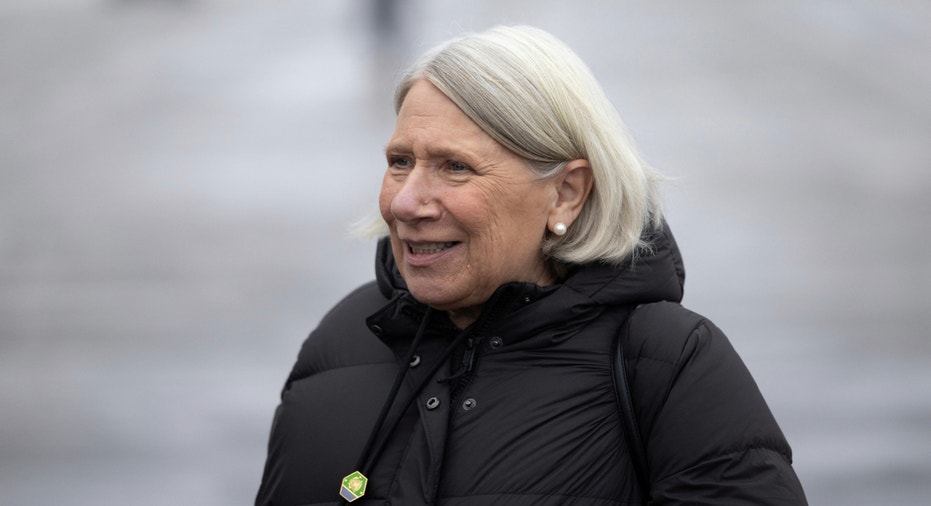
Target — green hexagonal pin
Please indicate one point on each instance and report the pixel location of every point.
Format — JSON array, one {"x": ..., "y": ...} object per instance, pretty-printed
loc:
[{"x": 353, "y": 486}]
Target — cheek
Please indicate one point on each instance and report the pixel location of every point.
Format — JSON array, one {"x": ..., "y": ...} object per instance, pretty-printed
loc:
[
  {"x": 523, "y": 221},
  {"x": 498, "y": 227},
  {"x": 385, "y": 197}
]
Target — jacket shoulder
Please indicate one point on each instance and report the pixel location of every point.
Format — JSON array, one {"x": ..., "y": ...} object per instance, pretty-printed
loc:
[
  {"x": 659, "y": 330},
  {"x": 704, "y": 421},
  {"x": 657, "y": 333},
  {"x": 342, "y": 338}
]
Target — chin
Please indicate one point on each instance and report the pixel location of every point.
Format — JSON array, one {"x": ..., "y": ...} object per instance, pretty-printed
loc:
[
  {"x": 434, "y": 295},
  {"x": 434, "y": 300}
]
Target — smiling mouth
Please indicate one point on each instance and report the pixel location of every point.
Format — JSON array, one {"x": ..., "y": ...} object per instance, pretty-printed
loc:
[{"x": 430, "y": 247}]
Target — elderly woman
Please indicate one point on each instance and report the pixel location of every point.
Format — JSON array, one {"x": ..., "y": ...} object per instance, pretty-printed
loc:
[{"x": 524, "y": 239}]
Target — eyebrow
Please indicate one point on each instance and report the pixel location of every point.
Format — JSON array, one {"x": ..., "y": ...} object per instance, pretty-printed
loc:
[
  {"x": 396, "y": 148},
  {"x": 449, "y": 153}
]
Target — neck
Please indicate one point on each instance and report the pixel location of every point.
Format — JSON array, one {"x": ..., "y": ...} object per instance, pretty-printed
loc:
[{"x": 462, "y": 318}]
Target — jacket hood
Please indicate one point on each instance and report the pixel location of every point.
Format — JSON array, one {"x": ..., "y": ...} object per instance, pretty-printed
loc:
[{"x": 656, "y": 274}]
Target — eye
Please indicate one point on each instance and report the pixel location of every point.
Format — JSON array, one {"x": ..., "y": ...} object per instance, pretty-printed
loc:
[
  {"x": 400, "y": 162},
  {"x": 458, "y": 167}
]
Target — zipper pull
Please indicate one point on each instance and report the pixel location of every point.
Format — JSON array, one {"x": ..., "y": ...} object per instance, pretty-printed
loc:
[
  {"x": 469, "y": 357},
  {"x": 466, "y": 365}
]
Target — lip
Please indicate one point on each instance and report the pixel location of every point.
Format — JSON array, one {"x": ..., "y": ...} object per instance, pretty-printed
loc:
[{"x": 425, "y": 259}]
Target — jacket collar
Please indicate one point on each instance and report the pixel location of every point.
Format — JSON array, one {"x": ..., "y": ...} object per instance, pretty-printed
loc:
[{"x": 526, "y": 309}]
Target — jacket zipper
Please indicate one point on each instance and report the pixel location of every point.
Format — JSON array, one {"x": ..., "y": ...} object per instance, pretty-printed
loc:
[{"x": 464, "y": 376}]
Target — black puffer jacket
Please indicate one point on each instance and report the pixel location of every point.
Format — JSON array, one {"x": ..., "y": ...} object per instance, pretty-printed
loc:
[{"x": 523, "y": 412}]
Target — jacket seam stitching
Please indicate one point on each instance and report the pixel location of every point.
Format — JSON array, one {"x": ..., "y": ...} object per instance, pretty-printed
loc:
[
  {"x": 644, "y": 357},
  {"x": 329, "y": 369},
  {"x": 741, "y": 450},
  {"x": 473, "y": 496}
]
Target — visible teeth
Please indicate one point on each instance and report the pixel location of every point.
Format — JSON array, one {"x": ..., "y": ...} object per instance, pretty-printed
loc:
[{"x": 426, "y": 249}]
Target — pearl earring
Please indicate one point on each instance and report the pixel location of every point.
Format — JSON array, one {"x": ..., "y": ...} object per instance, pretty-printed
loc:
[{"x": 559, "y": 228}]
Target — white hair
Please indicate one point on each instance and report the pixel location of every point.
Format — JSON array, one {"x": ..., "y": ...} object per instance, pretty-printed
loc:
[{"x": 535, "y": 96}]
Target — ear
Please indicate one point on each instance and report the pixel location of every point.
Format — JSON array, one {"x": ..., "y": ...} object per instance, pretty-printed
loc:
[{"x": 573, "y": 185}]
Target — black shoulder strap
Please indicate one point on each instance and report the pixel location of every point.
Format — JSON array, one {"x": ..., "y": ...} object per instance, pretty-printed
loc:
[{"x": 625, "y": 403}]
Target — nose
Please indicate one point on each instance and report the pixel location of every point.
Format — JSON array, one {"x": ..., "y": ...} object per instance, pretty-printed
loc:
[{"x": 414, "y": 196}]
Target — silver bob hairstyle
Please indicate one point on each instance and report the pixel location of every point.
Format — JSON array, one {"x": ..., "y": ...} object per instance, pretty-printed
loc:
[{"x": 535, "y": 96}]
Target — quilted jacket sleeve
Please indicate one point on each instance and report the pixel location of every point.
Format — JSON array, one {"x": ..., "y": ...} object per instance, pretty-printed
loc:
[
  {"x": 319, "y": 428},
  {"x": 710, "y": 438}
]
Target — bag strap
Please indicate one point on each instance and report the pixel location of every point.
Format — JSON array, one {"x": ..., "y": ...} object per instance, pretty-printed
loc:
[{"x": 625, "y": 402}]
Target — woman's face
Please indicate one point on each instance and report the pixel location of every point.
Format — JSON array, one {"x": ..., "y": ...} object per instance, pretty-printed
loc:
[{"x": 465, "y": 214}]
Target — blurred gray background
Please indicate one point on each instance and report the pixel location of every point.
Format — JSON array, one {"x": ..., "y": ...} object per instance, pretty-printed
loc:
[{"x": 177, "y": 178}]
